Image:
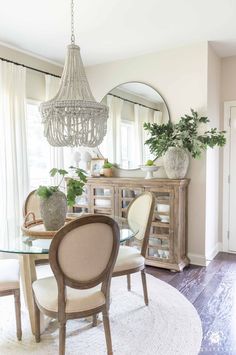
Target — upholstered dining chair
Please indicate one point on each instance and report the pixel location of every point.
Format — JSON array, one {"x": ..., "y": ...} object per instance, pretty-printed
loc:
[
  {"x": 82, "y": 256},
  {"x": 130, "y": 259},
  {"x": 10, "y": 285},
  {"x": 32, "y": 204}
]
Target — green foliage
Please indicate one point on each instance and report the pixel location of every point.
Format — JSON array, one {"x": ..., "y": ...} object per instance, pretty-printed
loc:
[
  {"x": 74, "y": 186},
  {"x": 183, "y": 134},
  {"x": 107, "y": 165}
]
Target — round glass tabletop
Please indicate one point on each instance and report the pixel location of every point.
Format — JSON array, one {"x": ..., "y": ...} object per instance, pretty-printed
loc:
[{"x": 21, "y": 244}]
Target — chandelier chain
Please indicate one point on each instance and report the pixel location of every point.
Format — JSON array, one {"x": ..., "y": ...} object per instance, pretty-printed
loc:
[{"x": 72, "y": 23}]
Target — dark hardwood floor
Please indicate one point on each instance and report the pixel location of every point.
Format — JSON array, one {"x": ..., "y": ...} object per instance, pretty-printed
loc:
[{"x": 212, "y": 291}]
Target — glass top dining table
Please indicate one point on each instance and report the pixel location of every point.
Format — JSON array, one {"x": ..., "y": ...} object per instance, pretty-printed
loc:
[
  {"x": 22, "y": 244},
  {"x": 30, "y": 249}
]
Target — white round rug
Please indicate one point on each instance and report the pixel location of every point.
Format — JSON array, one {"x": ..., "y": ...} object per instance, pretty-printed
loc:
[{"x": 170, "y": 325}]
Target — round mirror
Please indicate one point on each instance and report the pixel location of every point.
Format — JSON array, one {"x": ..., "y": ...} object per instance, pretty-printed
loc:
[{"x": 130, "y": 105}]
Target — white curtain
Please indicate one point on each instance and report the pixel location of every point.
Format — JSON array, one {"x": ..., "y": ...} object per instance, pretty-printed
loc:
[
  {"x": 14, "y": 180},
  {"x": 113, "y": 145},
  {"x": 56, "y": 153},
  {"x": 157, "y": 117},
  {"x": 141, "y": 115}
]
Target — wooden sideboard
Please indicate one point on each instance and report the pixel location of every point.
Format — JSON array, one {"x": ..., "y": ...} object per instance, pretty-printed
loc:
[{"x": 167, "y": 245}]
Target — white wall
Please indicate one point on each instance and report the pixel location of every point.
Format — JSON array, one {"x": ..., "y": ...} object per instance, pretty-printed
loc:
[
  {"x": 35, "y": 83},
  {"x": 180, "y": 76},
  {"x": 212, "y": 163}
]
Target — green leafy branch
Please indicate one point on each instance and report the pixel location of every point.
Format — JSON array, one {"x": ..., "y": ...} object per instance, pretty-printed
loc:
[
  {"x": 183, "y": 134},
  {"x": 75, "y": 187}
]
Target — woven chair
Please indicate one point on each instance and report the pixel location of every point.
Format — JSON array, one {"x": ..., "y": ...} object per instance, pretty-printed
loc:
[
  {"x": 82, "y": 256},
  {"x": 10, "y": 285},
  {"x": 131, "y": 260}
]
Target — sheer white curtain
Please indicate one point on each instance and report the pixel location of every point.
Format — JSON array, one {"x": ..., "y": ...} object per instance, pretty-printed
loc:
[
  {"x": 56, "y": 153},
  {"x": 113, "y": 137},
  {"x": 14, "y": 181},
  {"x": 141, "y": 115}
]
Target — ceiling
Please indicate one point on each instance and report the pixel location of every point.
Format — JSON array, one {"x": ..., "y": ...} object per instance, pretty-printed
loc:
[{"x": 108, "y": 30}]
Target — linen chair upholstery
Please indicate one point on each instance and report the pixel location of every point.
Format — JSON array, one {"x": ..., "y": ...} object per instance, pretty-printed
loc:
[
  {"x": 10, "y": 285},
  {"x": 82, "y": 256},
  {"x": 130, "y": 259}
]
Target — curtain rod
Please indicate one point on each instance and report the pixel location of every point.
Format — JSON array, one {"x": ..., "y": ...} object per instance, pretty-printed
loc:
[
  {"x": 133, "y": 102},
  {"x": 28, "y": 67}
]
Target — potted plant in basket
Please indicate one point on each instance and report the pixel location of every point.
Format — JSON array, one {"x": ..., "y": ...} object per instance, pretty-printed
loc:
[
  {"x": 53, "y": 202},
  {"x": 107, "y": 169},
  {"x": 175, "y": 141}
]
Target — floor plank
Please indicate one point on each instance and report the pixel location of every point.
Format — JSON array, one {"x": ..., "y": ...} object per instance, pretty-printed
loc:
[{"x": 212, "y": 291}]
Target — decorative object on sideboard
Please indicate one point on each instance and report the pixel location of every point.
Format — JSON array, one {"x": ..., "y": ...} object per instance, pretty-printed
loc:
[
  {"x": 73, "y": 117},
  {"x": 107, "y": 170},
  {"x": 175, "y": 141},
  {"x": 77, "y": 158},
  {"x": 96, "y": 165},
  {"x": 149, "y": 168},
  {"x": 53, "y": 202}
]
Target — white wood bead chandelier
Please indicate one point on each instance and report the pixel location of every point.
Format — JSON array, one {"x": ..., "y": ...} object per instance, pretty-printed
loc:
[{"x": 73, "y": 117}]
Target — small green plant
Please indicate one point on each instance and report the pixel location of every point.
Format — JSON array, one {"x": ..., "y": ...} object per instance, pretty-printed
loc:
[
  {"x": 183, "y": 134},
  {"x": 107, "y": 165},
  {"x": 74, "y": 186}
]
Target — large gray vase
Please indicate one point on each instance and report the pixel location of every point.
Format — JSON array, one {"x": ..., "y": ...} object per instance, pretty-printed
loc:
[
  {"x": 53, "y": 211},
  {"x": 176, "y": 162}
]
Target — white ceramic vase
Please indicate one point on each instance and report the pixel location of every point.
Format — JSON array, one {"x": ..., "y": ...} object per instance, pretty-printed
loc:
[{"x": 176, "y": 162}]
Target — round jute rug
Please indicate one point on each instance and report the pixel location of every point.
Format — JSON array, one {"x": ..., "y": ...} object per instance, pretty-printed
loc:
[{"x": 170, "y": 325}]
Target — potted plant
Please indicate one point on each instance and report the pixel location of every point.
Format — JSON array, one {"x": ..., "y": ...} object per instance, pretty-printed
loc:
[
  {"x": 53, "y": 202},
  {"x": 149, "y": 168},
  {"x": 175, "y": 141},
  {"x": 107, "y": 169}
]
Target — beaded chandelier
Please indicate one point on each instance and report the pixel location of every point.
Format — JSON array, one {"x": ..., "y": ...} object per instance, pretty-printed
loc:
[{"x": 73, "y": 117}]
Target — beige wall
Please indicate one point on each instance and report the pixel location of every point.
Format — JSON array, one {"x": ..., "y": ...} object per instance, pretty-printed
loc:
[
  {"x": 180, "y": 76},
  {"x": 212, "y": 166},
  {"x": 228, "y": 85},
  {"x": 35, "y": 83}
]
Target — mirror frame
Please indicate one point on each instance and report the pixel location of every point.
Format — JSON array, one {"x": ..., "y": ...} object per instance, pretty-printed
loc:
[{"x": 128, "y": 82}]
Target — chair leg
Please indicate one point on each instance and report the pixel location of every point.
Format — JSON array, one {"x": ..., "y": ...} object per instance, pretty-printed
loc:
[
  {"x": 129, "y": 282},
  {"x": 37, "y": 322},
  {"x": 106, "y": 324},
  {"x": 62, "y": 338},
  {"x": 144, "y": 282},
  {"x": 95, "y": 320},
  {"x": 18, "y": 314}
]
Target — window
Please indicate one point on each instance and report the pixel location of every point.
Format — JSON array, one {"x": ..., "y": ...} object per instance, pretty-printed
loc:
[
  {"x": 127, "y": 144},
  {"x": 41, "y": 156},
  {"x": 37, "y": 146}
]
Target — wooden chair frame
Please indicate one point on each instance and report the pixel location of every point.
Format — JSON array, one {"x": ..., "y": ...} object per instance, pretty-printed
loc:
[
  {"x": 24, "y": 209},
  {"x": 16, "y": 293},
  {"x": 62, "y": 281},
  {"x": 143, "y": 249}
]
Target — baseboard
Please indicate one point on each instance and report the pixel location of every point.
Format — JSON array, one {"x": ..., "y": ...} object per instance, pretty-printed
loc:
[
  {"x": 217, "y": 248},
  {"x": 198, "y": 259},
  {"x": 202, "y": 260}
]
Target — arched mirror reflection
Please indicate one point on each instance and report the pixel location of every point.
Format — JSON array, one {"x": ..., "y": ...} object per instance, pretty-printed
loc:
[{"x": 130, "y": 105}]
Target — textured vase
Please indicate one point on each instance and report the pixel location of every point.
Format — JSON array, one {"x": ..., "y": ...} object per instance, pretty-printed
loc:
[
  {"x": 53, "y": 211},
  {"x": 176, "y": 162}
]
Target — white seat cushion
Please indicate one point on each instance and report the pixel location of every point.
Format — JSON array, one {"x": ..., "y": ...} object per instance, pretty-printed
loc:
[
  {"x": 9, "y": 274},
  {"x": 128, "y": 258},
  {"x": 46, "y": 293}
]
